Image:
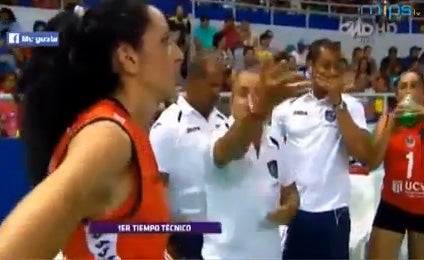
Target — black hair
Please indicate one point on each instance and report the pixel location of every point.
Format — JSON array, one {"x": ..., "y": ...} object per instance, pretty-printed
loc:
[
  {"x": 280, "y": 56},
  {"x": 246, "y": 49},
  {"x": 217, "y": 37},
  {"x": 38, "y": 24},
  {"x": 315, "y": 48},
  {"x": 11, "y": 18},
  {"x": 367, "y": 47},
  {"x": 64, "y": 81}
]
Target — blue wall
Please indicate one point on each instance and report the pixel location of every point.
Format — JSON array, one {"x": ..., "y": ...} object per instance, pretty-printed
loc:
[{"x": 13, "y": 178}]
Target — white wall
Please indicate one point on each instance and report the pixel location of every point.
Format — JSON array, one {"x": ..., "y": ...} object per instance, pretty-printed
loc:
[{"x": 283, "y": 35}]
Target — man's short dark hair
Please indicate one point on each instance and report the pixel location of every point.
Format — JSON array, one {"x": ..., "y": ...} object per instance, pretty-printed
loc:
[
  {"x": 198, "y": 67},
  {"x": 204, "y": 18},
  {"x": 316, "y": 46}
]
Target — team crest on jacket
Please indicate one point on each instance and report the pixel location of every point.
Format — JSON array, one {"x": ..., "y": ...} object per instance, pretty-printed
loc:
[
  {"x": 410, "y": 141},
  {"x": 330, "y": 115},
  {"x": 273, "y": 168}
]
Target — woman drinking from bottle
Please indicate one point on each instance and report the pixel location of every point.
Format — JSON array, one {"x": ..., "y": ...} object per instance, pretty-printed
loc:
[{"x": 399, "y": 146}]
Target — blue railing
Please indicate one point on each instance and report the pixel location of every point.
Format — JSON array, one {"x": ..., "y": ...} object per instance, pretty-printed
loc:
[{"x": 325, "y": 17}]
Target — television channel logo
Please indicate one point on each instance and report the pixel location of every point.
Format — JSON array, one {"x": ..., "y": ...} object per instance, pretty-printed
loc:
[
  {"x": 391, "y": 11},
  {"x": 33, "y": 39}
]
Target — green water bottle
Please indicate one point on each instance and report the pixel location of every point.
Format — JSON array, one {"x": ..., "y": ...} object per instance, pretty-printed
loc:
[{"x": 410, "y": 113}]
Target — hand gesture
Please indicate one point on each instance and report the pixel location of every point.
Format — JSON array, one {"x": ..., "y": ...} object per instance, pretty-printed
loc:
[
  {"x": 275, "y": 85},
  {"x": 335, "y": 85}
]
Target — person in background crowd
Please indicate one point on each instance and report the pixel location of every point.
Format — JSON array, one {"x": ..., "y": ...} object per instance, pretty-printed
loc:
[
  {"x": 374, "y": 106},
  {"x": 414, "y": 53},
  {"x": 8, "y": 83},
  {"x": 362, "y": 75},
  {"x": 300, "y": 53},
  {"x": 203, "y": 34},
  {"x": 264, "y": 50},
  {"x": 394, "y": 71},
  {"x": 357, "y": 55},
  {"x": 249, "y": 189},
  {"x": 247, "y": 37},
  {"x": 221, "y": 50},
  {"x": 6, "y": 53},
  {"x": 390, "y": 61},
  {"x": 322, "y": 128},
  {"x": 39, "y": 26},
  {"x": 250, "y": 60},
  {"x": 8, "y": 22},
  {"x": 183, "y": 25},
  {"x": 401, "y": 207},
  {"x": 178, "y": 139},
  {"x": 124, "y": 64},
  {"x": 371, "y": 60},
  {"x": 292, "y": 63},
  {"x": 232, "y": 38},
  {"x": 415, "y": 65}
]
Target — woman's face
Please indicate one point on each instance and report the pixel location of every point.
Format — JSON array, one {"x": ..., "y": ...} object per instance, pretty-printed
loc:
[
  {"x": 242, "y": 93},
  {"x": 412, "y": 84}
]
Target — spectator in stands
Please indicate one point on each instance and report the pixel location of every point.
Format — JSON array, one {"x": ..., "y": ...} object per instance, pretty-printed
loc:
[
  {"x": 249, "y": 58},
  {"x": 363, "y": 75},
  {"x": 371, "y": 60},
  {"x": 221, "y": 49},
  {"x": 264, "y": 50},
  {"x": 292, "y": 63},
  {"x": 415, "y": 65},
  {"x": 357, "y": 55},
  {"x": 6, "y": 54},
  {"x": 394, "y": 71},
  {"x": 181, "y": 23},
  {"x": 390, "y": 60},
  {"x": 300, "y": 53},
  {"x": 232, "y": 38},
  {"x": 8, "y": 83},
  {"x": 203, "y": 34},
  {"x": 39, "y": 26},
  {"x": 247, "y": 37},
  {"x": 414, "y": 53},
  {"x": 374, "y": 106},
  {"x": 8, "y": 22}
]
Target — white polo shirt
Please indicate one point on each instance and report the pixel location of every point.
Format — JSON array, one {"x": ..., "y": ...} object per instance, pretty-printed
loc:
[
  {"x": 240, "y": 195},
  {"x": 315, "y": 149},
  {"x": 179, "y": 139}
]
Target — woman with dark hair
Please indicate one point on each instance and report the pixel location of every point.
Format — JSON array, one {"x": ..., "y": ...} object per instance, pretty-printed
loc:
[
  {"x": 86, "y": 116},
  {"x": 400, "y": 146}
]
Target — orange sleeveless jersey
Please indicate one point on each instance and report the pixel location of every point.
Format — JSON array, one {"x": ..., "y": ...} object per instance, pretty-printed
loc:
[
  {"x": 403, "y": 183},
  {"x": 146, "y": 202}
]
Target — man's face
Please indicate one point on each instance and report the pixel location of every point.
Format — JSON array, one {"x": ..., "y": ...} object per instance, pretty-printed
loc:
[
  {"x": 211, "y": 85},
  {"x": 327, "y": 64},
  {"x": 205, "y": 23}
]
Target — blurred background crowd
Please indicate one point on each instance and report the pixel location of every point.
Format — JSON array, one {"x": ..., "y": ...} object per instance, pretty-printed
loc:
[{"x": 236, "y": 44}]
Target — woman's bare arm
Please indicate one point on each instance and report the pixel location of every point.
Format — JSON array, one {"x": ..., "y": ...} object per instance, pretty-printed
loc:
[{"x": 81, "y": 187}]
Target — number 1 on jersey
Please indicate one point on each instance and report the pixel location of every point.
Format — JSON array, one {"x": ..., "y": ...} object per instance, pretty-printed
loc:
[{"x": 410, "y": 166}]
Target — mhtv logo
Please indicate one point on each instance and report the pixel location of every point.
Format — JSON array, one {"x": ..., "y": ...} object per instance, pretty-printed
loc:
[{"x": 391, "y": 11}]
